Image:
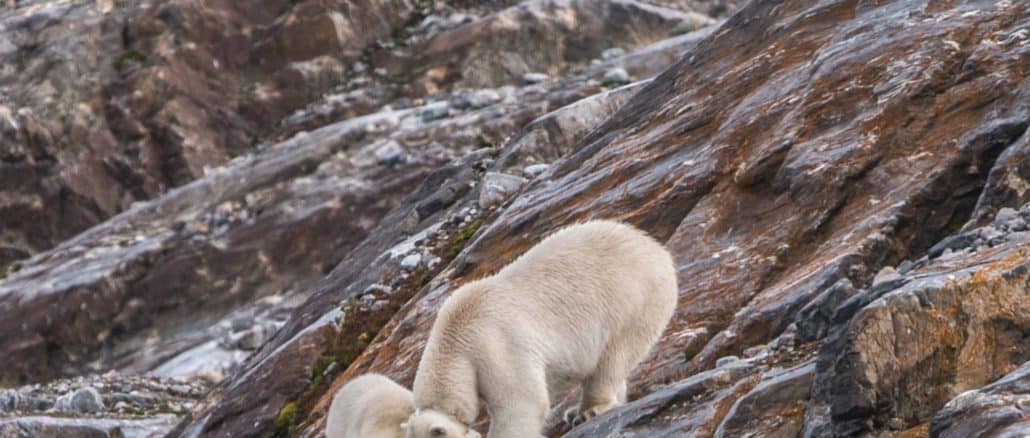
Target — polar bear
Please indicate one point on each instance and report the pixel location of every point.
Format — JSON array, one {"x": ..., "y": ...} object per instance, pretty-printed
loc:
[
  {"x": 581, "y": 307},
  {"x": 370, "y": 406}
]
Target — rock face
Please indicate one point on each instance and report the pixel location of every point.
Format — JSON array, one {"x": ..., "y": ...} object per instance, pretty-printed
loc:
[
  {"x": 842, "y": 183},
  {"x": 998, "y": 409}
]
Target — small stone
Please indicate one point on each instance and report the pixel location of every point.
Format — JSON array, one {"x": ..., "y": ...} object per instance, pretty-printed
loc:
[
  {"x": 252, "y": 339},
  {"x": 533, "y": 78},
  {"x": 888, "y": 273},
  {"x": 485, "y": 97},
  {"x": 464, "y": 99},
  {"x": 411, "y": 261},
  {"x": 390, "y": 154},
  {"x": 725, "y": 361},
  {"x": 82, "y": 401},
  {"x": 616, "y": 76},
  {"x": 497, "y": 187},
  {"x": 241, "y": 323},
  {"x": 1016, "y": 224},
  {"x": 1004, "y": 215},
  {"x": 435, "y": 111},
  {"x": 612, "y": 53},
  {"x": 536, "y": 169},
  {"x": 786, "y": 340},
  {"x": 402, "y": 103},
  {"x": 9, "y": 400},
  {"x": 758, "y": 351},
  {"x": 329, "y": 370}
]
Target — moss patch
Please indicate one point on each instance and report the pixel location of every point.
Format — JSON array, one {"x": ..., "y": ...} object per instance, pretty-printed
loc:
[
  {"x": 286, "y": 419},
  {"x": 457, "y": 243},
  {"x": 129, "y": 55},
  {"x": 361, "y": 324}
]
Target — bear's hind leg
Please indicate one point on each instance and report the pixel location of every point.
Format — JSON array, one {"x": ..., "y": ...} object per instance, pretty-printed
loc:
[{"x": 606, "y": 388}]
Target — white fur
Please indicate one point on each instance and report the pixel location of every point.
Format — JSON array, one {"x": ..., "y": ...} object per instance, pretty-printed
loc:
[
  {"x": 581, "y": 307},
  {"x": 370, "y": 406}
]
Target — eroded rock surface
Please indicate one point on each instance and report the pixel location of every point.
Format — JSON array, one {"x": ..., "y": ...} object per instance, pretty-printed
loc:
[{"x": 842, "y": 183}]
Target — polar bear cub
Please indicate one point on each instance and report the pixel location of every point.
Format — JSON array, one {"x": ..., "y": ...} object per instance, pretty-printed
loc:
[
  {"x": 582, "y": 307},
  {"x": 370, "y": 406}
]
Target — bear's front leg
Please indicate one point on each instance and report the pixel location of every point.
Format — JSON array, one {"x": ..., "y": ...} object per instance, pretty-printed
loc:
[{"x": 518, "y": 405}]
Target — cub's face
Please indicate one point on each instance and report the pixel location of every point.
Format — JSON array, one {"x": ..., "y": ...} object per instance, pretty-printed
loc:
[{"x": 432, "y": 424}]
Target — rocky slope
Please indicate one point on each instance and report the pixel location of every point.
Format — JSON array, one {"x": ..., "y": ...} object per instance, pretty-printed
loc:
[{"x": 843, "y": 184}]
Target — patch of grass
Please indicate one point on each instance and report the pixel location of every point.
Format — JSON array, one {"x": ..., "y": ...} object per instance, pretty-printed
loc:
[
  {"x": 456, "y": 196},
  {"x": 287, "y": 417},
  {"x": 459, "y": 240},
  {"x": 129, "y": 55},
  {"x": 9, "y": 269}
]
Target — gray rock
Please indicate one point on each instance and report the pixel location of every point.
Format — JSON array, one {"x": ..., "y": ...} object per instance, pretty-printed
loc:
[
  {"x": 786, "y": 340},
  {"x": 9, "y": 400},
  {"x": 485, "y": 97},
  {"x": 411, "y": 261},
  {"x": 435, "y": 111},
  {"x": 252, "y": 339},
  {"x": 1016, "y": 224},
  {"x": 888, "y": 273},
  {"x": 612, "y": 53},
  {"x": 814, "y": 320},
  {"x": 533, "y": 78},
  {"x": 532, "y": 171},
  {"x": 391, "y": 153},
  {"x": 241, "y": 323},
  {"x": 616, "y": 76},
  {"x": 81, "y": 401},
  {"x": 726, "y": 361},
  {"x": 998, "y": 409},
  {"x": 496, "y": 187},
  {"x": 773, "y": 408},
  {"x": 1004, "y": 216},
  {"x": 465, "y": 99}
]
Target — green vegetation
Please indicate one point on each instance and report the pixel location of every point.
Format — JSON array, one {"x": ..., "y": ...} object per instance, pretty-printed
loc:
[
  {"x": 457, "y": 243},
  {"x": 128, "y": 55},
  {"x": 287, "y": 417}
]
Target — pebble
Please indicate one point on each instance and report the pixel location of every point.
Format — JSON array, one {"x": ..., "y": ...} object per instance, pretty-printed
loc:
[
  {"x": 888, "y": 273},
  {"x": 435, "y": 111},
  {"x": 464, "y": 99},
  {"x": 532, "y": 171},
  {"x": 9, "y": 400},
  {"x": 411, "y": 261},
  {"x": 1004, "y": 216},
  {"x": 724, "y": 361},
  {"x": 390, "y": 154},
  {"x": 533, "y": 78},
  {"x": 252, "y": 339},
  {"x": 497, "y": 187},
  {"x": 612, "y": 53},
  {"x": 81, "y": 401},
  {"x": 616, "y": 76}
]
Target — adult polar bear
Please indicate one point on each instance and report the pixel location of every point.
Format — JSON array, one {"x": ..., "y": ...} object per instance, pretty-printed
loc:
[{"x": 581, "y": 307}]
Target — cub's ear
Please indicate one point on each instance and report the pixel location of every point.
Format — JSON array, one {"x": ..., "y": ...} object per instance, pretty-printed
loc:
[{"x": 438, "y": 432}]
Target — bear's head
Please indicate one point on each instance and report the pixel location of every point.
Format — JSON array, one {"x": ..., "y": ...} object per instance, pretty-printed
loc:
[{"x": 427, "y": 423}]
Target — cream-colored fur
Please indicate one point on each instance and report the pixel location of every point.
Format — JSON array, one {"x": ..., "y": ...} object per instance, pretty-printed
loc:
[
  {"x": 370, "y": 406},
  {"x": 581, "y": 307}
]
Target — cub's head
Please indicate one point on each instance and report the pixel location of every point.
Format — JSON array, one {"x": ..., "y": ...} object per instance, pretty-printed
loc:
[{"x": 428, "y": 423}]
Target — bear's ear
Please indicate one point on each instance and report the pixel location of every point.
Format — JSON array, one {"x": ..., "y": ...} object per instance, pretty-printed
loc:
[{"x": 438, "y": 432}]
